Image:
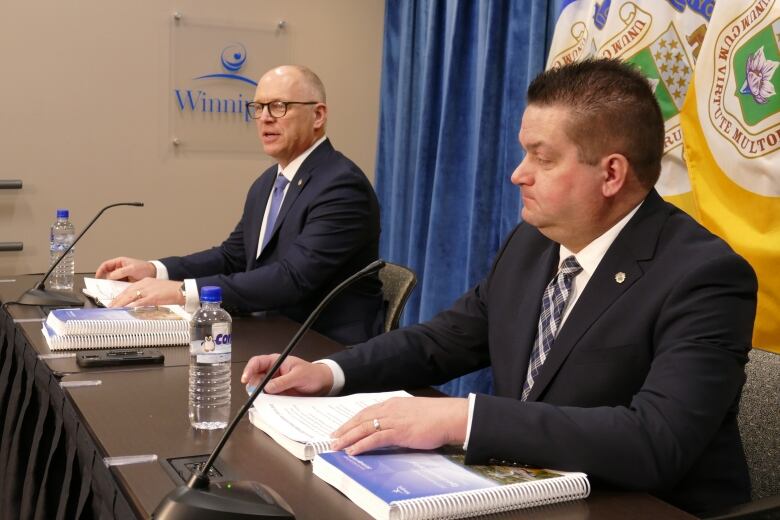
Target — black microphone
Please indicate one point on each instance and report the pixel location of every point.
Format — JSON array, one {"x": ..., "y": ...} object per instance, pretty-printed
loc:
[
  {"x": 38, "y": 295},
  {"x": 198, "y": 499}
]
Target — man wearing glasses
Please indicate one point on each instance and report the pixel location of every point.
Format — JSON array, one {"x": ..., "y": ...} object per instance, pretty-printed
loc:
[{"x": 308, "y": 223}]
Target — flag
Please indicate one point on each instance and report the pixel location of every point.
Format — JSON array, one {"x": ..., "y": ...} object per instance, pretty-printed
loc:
[
  {"x": 663, "y": 39},
  {"x": 731, "y": 129}
]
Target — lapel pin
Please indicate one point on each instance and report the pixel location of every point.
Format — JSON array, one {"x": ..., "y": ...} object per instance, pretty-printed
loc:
[
  {"x": 620, "y": 277},
  {"x": 300, "y": 183}
]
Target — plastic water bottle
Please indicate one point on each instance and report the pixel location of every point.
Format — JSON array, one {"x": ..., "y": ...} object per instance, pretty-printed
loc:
[
  {"x": 61, "y": 236},
  {"x": 210, "y": 345}
]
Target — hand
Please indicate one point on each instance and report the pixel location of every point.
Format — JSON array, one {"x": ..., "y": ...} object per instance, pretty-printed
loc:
[
  {"x": 294, "y": 377},
  {"x": 410, "y": 422},
  {"x": 126, "y": 269},
  {"x": 150, "y": 291}
]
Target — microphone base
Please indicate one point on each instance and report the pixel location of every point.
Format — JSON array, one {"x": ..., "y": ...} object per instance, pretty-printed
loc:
[
  {"x": 46, "y": 298},
  {"x": 223, "y": 500}
]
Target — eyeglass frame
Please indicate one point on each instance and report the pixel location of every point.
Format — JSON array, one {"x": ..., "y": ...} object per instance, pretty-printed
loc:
[{"x": 262, "y": 106}]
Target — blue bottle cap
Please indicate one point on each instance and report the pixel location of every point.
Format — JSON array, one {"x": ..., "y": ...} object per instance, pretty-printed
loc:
[
  {"x": 63, "y": 213},
  {"x": 211, "y": 293}
]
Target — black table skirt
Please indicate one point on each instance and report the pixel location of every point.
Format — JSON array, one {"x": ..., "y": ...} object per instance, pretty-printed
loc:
[{"x": 50, "y": 468}]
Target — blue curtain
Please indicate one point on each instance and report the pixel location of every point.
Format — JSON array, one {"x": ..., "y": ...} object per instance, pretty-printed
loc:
[{"x": 454, "y": 77}]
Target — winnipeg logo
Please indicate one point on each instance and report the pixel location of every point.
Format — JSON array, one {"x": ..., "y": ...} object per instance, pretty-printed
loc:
[{"x": 232, "y": 59}]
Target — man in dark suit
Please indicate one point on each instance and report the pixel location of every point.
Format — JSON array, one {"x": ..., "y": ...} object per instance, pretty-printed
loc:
[
  {"x": 308, "y": 223},
  {"x": 616, "y": 327}
]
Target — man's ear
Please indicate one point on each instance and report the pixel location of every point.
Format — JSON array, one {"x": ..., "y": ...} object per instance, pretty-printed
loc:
[
  {"x": 615, "y": 168},
  {"x": 320, "y": 115}
]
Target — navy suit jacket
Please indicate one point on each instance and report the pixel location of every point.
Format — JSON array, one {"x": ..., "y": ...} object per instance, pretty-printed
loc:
[
  {"x": 640, "y": 388},
  {"x": 327, "y": 229}
]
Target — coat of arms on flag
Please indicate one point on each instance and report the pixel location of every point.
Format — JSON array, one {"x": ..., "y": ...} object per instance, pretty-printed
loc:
[
  {"x": 741, "y": 99},
  {"x": 731, "y": 130},
  {"x": 669, "y": 70}
]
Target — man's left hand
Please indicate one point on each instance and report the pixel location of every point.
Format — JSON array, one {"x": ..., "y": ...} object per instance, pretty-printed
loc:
[
  {"x": 409, "y": 422},
  {"x": 150, "y": 291}
]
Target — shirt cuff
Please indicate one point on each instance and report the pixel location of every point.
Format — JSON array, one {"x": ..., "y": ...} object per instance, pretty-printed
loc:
[
  {"x": 191, "y": 300},
  {"x": 338, "y": 376},
  {"x": 162, "y": 271},
  {"x": 472, "y": 400}
]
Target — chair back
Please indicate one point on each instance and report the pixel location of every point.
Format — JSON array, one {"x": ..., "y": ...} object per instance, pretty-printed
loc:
[
  {"x": 759, "y": 422},
  {"x": 397, "y": 284}
]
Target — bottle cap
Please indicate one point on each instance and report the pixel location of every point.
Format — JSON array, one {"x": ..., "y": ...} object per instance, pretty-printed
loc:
[
  {"x": 211, "y": 293},
  {"x": 63, "y": 213}
]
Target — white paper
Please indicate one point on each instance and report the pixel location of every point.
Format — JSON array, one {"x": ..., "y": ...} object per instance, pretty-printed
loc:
[
  {"x": 307, "y": 419},
  {"x": 104, "y": 291}
]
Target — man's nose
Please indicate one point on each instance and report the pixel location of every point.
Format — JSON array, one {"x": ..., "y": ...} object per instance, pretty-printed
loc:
[
  {"x": 265, "y": 115},
  {"x": 520, "y": 175}
]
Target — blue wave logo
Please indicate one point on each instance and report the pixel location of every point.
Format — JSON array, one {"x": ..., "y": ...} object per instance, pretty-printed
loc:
[{"x": 232, "y": 58}]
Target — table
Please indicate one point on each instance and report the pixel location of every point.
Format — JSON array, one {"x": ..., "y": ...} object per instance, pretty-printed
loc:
[{"x": 53, "y": 439}]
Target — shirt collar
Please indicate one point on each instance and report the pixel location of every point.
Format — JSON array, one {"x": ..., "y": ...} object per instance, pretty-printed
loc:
[
  {"x": 590, "y": 256},
  {"x": 292, "y": 167}
]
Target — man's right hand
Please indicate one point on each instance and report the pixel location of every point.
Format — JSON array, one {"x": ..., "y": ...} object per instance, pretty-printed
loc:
[
  {"x": 126, "y": 269},
  {"x": 294, "y": 377}
]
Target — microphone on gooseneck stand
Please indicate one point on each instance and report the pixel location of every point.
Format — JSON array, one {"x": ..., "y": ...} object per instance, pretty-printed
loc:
[
  {"x": 199, "y": 499},
  {"x": 38, "y": 295}
]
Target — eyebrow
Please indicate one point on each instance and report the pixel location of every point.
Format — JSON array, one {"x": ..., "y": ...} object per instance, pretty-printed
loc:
[{"x": 533, "y": 147}]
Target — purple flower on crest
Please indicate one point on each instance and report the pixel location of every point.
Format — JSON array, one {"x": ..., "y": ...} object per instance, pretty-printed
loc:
[{"x": 758, "y": 80}]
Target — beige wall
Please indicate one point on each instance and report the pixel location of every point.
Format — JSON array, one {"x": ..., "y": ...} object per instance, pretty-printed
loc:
[{"x": 82, "y": 119}]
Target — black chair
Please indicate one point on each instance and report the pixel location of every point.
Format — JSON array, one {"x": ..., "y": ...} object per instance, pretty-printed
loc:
[
  {"x": 397, "y": 284},
  {"x": 759, "y": 425}
]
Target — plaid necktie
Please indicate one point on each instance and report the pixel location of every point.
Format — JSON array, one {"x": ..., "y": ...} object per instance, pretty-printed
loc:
[
  {"x": 277, "y": 195},
  {"x": 553, "y": 303}
]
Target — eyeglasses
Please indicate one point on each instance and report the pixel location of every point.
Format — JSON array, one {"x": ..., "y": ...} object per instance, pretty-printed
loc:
[{"x": 275, "y": 108}]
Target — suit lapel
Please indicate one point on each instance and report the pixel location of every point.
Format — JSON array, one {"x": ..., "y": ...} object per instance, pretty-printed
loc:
[
  {"x": 525, "y": 329},
  {"x": 635, "y": 243}
]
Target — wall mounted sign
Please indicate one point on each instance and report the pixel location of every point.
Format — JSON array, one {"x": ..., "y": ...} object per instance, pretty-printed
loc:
[{"x": 214, "y": 72}]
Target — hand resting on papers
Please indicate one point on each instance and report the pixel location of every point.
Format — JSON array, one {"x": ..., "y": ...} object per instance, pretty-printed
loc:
[
  {"x": 150, "y": 291},
  {"x": 146, "y": 289},
  {"x": 416, "y": 422}
]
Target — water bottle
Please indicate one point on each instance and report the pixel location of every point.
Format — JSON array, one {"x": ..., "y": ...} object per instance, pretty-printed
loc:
[
  {"x": 210, "y": 343},
  {"x": 60, "y": 237}
]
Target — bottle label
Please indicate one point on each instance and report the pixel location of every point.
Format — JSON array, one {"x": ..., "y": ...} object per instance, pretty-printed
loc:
[{"x": 214, "y": 348}]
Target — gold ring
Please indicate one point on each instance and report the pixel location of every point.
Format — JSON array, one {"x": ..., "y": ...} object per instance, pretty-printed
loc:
[
  {"x": 137, "y": 294},
  {"x": 376, "y": 424}
]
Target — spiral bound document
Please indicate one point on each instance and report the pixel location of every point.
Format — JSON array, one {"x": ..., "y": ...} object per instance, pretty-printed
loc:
[
  {"x": 103, "y": 341},
  {"x": 119, "y": 321},
  {"x": 396, "y": 484}
]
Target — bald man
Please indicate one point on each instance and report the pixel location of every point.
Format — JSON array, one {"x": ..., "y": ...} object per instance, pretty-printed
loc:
[{"x": 309, "y": 222}]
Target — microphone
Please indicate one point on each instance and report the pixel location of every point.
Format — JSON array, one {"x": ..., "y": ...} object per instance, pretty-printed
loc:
[
  {"x": 38, "y": 295},
  {"x": 199, "y": 499}
]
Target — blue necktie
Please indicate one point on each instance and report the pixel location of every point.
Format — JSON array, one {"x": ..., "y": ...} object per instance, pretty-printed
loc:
[
  {"x": 277, "y": 195},
  {"x": 553, "y": 303}
]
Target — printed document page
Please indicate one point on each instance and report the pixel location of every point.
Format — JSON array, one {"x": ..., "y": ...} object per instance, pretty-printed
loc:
[{"x": 307, "y": 419}]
